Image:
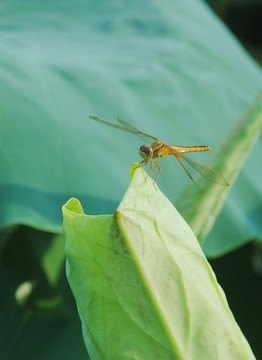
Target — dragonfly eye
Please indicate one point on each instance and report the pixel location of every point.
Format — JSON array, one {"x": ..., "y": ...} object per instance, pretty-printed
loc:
[{"x": 146, "y": 151}]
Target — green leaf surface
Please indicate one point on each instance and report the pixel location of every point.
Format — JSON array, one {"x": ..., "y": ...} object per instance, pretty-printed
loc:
[
  {"x": 171, "y": 68},
  {"x": 143, "y": 286},
  {"x": 201, "y": 205}
]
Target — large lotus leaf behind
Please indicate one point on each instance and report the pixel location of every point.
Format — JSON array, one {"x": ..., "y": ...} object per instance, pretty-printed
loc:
[
  {"x": 170, "y": 67},
  {"x": 200, "y": 205}
]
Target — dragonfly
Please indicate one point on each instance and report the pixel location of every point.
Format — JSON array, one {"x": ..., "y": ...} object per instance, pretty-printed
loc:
[{"x": 158, "y": 149}]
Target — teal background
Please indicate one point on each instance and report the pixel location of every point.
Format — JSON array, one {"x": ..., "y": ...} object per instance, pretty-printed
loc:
[{"x": 173, "y": 69}]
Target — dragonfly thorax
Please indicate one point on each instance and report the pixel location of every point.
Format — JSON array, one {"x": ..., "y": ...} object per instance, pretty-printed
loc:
[{"x": 146, "y": 152}]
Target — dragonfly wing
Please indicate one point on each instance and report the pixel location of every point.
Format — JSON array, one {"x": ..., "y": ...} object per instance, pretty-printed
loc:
[
  {"x": 184, "y": 167},
  {"x": 128, "y": 127},
  {"x": 204, "y": 171},
  {"x": 113, "y": 125},
  {"x": 132, "y": 127},
  {"x": 127, "y": 124}
]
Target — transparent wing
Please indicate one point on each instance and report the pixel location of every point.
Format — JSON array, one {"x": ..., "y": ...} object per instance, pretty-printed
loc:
[
  {"x": 203, "y": 170},
  {"x": 114, "y": 125},
  {"x": 206, "y": 172},
  {"x": 142, "y": 135},
  {"x": 128, "y": 127},
  {"x": 127, "y": 124}
]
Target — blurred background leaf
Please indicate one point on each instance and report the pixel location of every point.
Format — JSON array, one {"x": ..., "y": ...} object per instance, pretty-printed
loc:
[
  {"x": 37, "y": 310},
  {"x": 239, "y": 273},
  {"x": 200, "y": 205},
  {"x": 170, "y": 67}
]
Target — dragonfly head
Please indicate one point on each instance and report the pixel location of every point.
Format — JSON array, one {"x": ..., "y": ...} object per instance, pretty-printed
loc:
[{"x": 146, "y": 152}]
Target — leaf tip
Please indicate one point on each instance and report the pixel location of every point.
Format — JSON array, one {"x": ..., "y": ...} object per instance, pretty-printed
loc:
[
  {"x": 73, "y": 205},
  {"x": 133, "y": 168}
]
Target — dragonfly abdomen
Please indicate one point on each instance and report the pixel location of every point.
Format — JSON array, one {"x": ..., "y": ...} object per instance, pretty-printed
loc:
[{"x": 186, "y": 149}]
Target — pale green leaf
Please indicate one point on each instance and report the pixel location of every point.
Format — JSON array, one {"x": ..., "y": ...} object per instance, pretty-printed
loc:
[{"x": 143, "y": 286}]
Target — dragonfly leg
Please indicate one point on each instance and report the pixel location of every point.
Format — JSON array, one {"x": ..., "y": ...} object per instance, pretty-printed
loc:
[
  {"x": 143, "y": 162},
  {"x": 159, "y": 169},
  {"x": 151, "y": 168}
]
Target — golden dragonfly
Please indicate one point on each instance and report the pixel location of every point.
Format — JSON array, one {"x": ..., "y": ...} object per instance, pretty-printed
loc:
[{"x": 160, "y": 149}]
